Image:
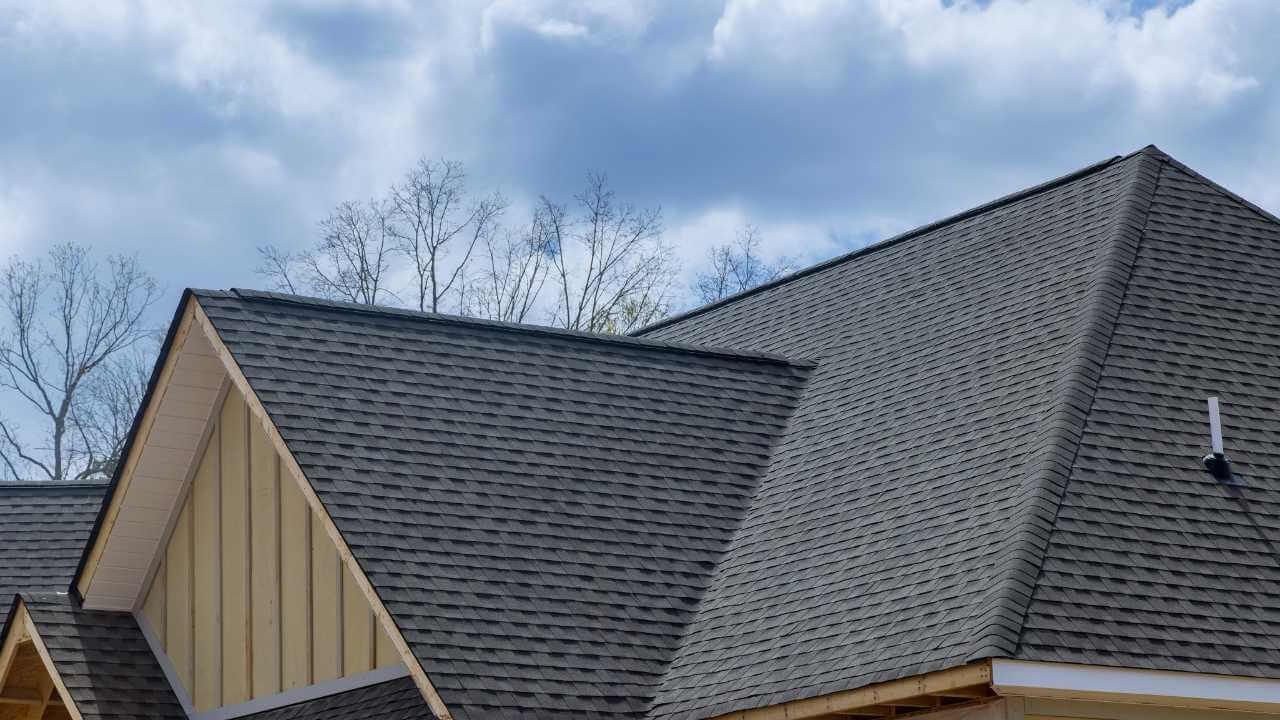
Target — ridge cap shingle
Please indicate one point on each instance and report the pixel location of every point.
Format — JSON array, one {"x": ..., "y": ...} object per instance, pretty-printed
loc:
[
  {"x": 249, "y": 295},
  {"x": 1000, "y": 631}
]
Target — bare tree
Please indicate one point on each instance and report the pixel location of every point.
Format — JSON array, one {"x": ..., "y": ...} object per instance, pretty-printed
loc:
[
  {"x": 602, "y": 263},
  {"x": 351, "y": 261},
  {"x": 438, "y": 227},
  {"x": 516, "y": 268},
  {"x": 737, "y": 266},
  {"x": 103, "y": 412},
  {"x": 279, "y": 267},
  {"x": 612, "y": 270},
  {"x": 66, "y": 319}
]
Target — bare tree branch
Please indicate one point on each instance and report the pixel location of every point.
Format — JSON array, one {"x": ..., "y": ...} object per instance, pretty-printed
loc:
[
  {"x": 437, "y": 227},
  {"x": 64, "y": 318},
  {"x": 613, "y": 269},
  {"x": 737, "y": 266}
]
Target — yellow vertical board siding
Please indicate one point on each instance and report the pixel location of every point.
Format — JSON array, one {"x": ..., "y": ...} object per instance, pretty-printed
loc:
[
  {"x": 235, "y": 515},
  {"x": 385, "y": 651},
  {"x": 207, "y": 568},
  {"x": 265, "y": 563},
  {"x": 295, "y": 587},
  {"x": 177, "y": 599},
  {"x": 153, "y": 605},
  {"x": 326, "y": 606},
  {"x": 357, "y": 628},
  {"x": 252, "y": 597}
]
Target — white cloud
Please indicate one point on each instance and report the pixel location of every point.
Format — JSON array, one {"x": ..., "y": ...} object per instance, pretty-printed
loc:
[
  {"x": 20, "y": 220},
  {"x": 1056, "y": 50}
]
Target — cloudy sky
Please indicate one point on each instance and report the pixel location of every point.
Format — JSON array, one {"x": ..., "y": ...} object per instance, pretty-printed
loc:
[{"x": 193, "y": 132}]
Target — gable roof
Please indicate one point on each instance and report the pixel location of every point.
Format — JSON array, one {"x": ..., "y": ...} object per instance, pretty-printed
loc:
[
  {"x": 538, "y": 510},
  {"x": 998, "y": 455},
  {"x": 103, "y": 659},
  {"x": 43, "y": 528}
]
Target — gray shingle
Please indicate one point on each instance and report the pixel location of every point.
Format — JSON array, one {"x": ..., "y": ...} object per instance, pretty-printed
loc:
[
  {"x": 899, "y": 527},
  {"x": 538, "y": 510},
  {"x": 1153, "y": 563},
  {"x": 43, "y": 528},
  {"x": 103, "y": 659},
  {"x": 392, "y": 700}
]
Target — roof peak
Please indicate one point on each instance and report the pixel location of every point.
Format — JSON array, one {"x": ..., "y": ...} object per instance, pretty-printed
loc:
[{"x": 1149, "y": 150}]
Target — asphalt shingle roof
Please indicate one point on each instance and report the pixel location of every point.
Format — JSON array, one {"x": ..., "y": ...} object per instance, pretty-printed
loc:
[
  {"x": 43, "y": 529},
  {"x": 538, "y": 510},
  {"x": 391, "y": 700},
  {"x": 103, "y": 659},
  {"x": 979, "y": 439},
  {"x": 997, "y": 455}
]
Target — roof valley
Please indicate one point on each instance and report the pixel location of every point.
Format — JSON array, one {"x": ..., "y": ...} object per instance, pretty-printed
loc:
[{"x": 1048, "y": 468}]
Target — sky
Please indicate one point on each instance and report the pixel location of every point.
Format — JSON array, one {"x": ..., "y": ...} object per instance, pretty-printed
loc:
[{"x": 192, "y": 133}]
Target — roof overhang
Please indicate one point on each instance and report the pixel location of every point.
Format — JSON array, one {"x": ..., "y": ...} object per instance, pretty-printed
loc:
[
  {"x": 1064, "y": 681},
  {"x": 168, "y": 433}
]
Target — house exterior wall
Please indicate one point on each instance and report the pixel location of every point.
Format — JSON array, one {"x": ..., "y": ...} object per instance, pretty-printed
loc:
[{"x": 251, "y": 597}]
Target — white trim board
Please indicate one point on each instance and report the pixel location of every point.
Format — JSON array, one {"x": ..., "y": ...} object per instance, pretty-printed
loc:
[
  {"x": 1128, "y": 685},
  {"x": 166, "y": 665}
]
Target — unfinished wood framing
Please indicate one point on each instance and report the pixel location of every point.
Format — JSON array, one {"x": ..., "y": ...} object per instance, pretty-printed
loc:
[
  {"x": 30, "y": 688},
  {"x": 246, "y": 560},
  {"x": 931, "y": 692}
]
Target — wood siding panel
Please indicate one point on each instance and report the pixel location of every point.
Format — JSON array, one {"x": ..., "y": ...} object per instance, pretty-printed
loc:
[
  {"x": 178, "y": 613},
  {"x": 251, "y": 596},
  {"x": 265, "y": 544},
  {"x": 326, "y": 606},
  {"x": 385, "y": 651},
  {"x": 357, "y": 628},
  {"x": 234, "y": 464},
  {"x": 295, "y": 587},
  {"x": 207, "y": 600}
]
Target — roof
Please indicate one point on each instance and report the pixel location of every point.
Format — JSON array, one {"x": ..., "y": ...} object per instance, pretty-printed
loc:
[
  {"x": 978, "y": 439},
  {"x": 43, "y": 528},
  {"x": 392, "y": 700},
  {"x": 538, "y": 510},
  {"x": 998, "y": 454},
  {"x": 103, "y": 659}
]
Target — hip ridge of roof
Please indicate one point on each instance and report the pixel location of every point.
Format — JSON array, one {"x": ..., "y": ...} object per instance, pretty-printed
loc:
[{"x": 1047, "y": 468}]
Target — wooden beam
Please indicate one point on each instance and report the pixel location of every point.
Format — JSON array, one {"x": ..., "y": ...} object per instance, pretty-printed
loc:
[
  {"x": 21, "y": 696},
  {"x": 289, "y": 466},
  {"x": 135, "y": 451},
  {"x": 49, "y": 667},
  {"x": 902, "y": 693}
]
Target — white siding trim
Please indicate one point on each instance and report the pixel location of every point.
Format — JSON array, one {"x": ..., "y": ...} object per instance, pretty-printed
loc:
[
  {"x": 166, "y": 665},
  {"x": 1093, "y": 682}
]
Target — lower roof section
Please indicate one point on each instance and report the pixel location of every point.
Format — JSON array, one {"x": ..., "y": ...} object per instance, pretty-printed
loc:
[
  {"x": 397, "y": 699},
  {"x": 102, "y": 658},
  {"x": 43, "y": 528}
]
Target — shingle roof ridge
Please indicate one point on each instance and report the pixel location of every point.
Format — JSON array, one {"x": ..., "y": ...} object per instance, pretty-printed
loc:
[
  {"x": 619, "y": 340},
  {"x": 48, "y": 486},
  {"x": 895, "y": 239},
  {"x": 1261, "y": 211},
  {"x": 1048, "y": 466}
]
